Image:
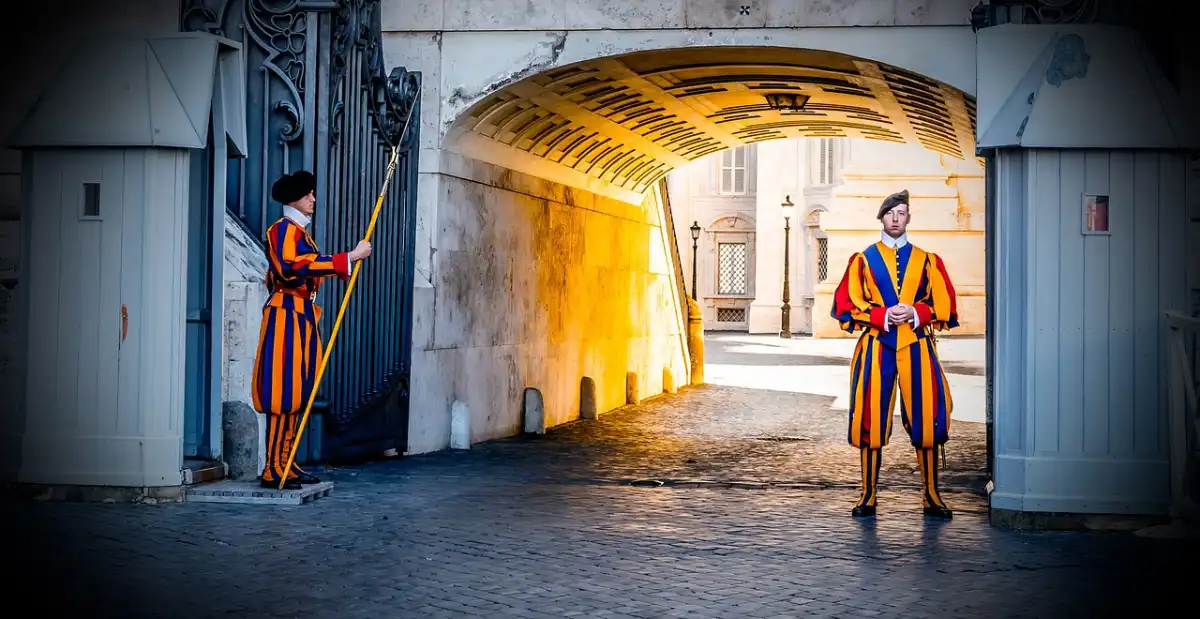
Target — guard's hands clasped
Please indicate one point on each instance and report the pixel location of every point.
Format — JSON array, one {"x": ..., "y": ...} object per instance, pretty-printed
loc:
[
  {"x": 361, "y": 251},
  {"x": 900, "y": 313}
]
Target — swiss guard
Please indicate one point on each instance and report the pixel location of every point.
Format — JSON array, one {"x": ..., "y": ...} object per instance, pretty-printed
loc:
[
  {"x": 897, "y": 295},
  {"x": 289, "y": 344}
]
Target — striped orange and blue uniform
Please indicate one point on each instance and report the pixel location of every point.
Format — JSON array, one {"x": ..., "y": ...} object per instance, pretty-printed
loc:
[
  {"x": 289, "y": 342},
  {"x": 876, "y": 279}
]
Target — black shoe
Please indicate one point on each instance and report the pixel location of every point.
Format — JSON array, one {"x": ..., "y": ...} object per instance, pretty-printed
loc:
[
  {"x": 939, "y": 511},
  {"x": 863, "y": 511},
  {"x": 305, "y": 478},
  {"x": 291, "y": 484}
]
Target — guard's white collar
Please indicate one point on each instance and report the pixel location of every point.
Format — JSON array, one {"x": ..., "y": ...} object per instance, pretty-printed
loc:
[
  {"x": 895, "y": 243},
  {"x": 296, "y": 216}
]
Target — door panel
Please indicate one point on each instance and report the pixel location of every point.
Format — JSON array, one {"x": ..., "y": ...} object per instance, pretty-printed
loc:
[
  {"x": 90, "y": 288},
  {"x": 84, "y": 351},
  {"x": 198, "y": 393}
]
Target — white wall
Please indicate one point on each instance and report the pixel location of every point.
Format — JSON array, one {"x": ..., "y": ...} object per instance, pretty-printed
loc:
[{"x": 1080, "y": 412}]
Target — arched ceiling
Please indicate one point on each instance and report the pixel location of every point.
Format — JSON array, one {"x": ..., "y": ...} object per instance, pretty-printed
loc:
[{"x": 629, "y": 120}]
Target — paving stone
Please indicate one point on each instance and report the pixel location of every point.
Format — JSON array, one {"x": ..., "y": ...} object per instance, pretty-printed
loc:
[{"x": 549, "y": 526}]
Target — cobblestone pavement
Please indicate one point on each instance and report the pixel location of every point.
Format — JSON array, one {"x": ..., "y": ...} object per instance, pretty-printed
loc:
[{"x": 552, "y": 527}]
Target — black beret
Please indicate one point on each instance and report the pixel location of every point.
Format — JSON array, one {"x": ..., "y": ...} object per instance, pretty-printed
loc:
[
  {"x": 892, "y": 202},
  {"x": 291, "y": 187}
]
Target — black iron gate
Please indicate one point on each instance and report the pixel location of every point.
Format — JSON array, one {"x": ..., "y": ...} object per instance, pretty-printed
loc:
[{"x": 319, "y": 98}]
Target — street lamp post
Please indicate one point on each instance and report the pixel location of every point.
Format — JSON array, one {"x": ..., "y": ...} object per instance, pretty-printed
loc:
[
  {"x": 695, "y": 237},
  {"x": 785, "y": 330}
]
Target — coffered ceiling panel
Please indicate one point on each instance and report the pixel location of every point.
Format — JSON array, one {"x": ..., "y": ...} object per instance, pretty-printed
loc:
[{"x": 629, "y": 120}]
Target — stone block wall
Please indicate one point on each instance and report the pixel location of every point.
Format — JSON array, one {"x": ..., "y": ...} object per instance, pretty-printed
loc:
[
  {"x": 245, "y": 294},
  {"x": 538, "y": 285}
]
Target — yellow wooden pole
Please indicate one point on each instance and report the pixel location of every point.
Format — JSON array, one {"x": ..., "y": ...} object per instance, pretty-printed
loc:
[{"x": 391, "y": 169}]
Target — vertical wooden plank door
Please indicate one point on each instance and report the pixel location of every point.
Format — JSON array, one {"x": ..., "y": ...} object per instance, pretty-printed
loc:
[{"x": 75, "y": 317}]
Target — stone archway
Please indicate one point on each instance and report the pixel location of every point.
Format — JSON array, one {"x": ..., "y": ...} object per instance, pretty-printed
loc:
[
  {"x": 615, "y": 125},
  {"x": 555, "y": 251}
]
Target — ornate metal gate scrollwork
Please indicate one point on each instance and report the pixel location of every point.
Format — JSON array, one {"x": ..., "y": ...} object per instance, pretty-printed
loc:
[{"x": 321, "y": 99}]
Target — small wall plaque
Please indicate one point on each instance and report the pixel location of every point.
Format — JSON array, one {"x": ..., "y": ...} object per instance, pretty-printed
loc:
[{"x": 1095, "y": 214}]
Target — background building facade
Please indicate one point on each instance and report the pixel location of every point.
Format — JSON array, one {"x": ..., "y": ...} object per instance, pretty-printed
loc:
[{"x": 836, "y": 185}]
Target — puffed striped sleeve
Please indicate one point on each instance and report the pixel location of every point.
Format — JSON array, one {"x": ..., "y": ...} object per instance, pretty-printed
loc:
[
  {"x": 938, "y": 307},
  {"x": 851, "y": 307},
  {"x": 293, "y": 256}
]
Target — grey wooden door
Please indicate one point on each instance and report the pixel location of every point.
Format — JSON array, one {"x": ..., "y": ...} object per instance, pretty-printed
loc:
[{"x": 75, "y": 320}]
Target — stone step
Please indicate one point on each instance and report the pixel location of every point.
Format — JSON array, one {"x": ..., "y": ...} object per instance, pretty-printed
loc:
[
  {"x": 203, "y": 471},
  {"x": 251, "y": 493}
]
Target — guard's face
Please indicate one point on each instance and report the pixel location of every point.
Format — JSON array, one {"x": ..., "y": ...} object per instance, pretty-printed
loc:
[
  {"x": 307, "y": 204},
  {"x": 895, "y": 221}
]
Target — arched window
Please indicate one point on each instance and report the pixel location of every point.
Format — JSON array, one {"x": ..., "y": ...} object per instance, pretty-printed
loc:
[
  {"x": 732, "y": 276},
  {"x": 733, "y": 239}
]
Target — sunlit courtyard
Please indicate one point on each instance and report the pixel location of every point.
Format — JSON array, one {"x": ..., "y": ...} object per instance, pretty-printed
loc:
[{"x": 822, "y": 367}]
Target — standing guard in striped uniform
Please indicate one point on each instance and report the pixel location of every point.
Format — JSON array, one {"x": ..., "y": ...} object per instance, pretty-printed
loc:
[
  {"x": 897, "y": 295},
  {"x": 289, "y": 343}
]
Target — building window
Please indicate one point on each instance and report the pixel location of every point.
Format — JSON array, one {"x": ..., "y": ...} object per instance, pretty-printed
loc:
[
  {"x": 825, "y": 159},
  {"x": 731, "y": 314},
  {"x": 731, "y": 268},
  {"x": 733, "y": 172},
  {"x": 822, "y": 259}
]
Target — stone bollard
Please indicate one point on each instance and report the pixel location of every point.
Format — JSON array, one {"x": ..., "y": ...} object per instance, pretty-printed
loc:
[
  {"x": 695, "y": 340},
  {"x": 240, "y": 440},
  {"x": 587, "y": 398},
  {"x": 460, "y": 426},
  {"x": 668, "y": 381},
  {"x": 534, "y": 411},
  {"x": 632, "y": 393}
]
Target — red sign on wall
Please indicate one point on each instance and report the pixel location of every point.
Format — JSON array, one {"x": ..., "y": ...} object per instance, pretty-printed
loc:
[{"x": 1095, "y": 214}]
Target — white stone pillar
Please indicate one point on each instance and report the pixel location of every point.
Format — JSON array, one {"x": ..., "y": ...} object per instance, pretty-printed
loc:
[{"x": 779, "y": 176}]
